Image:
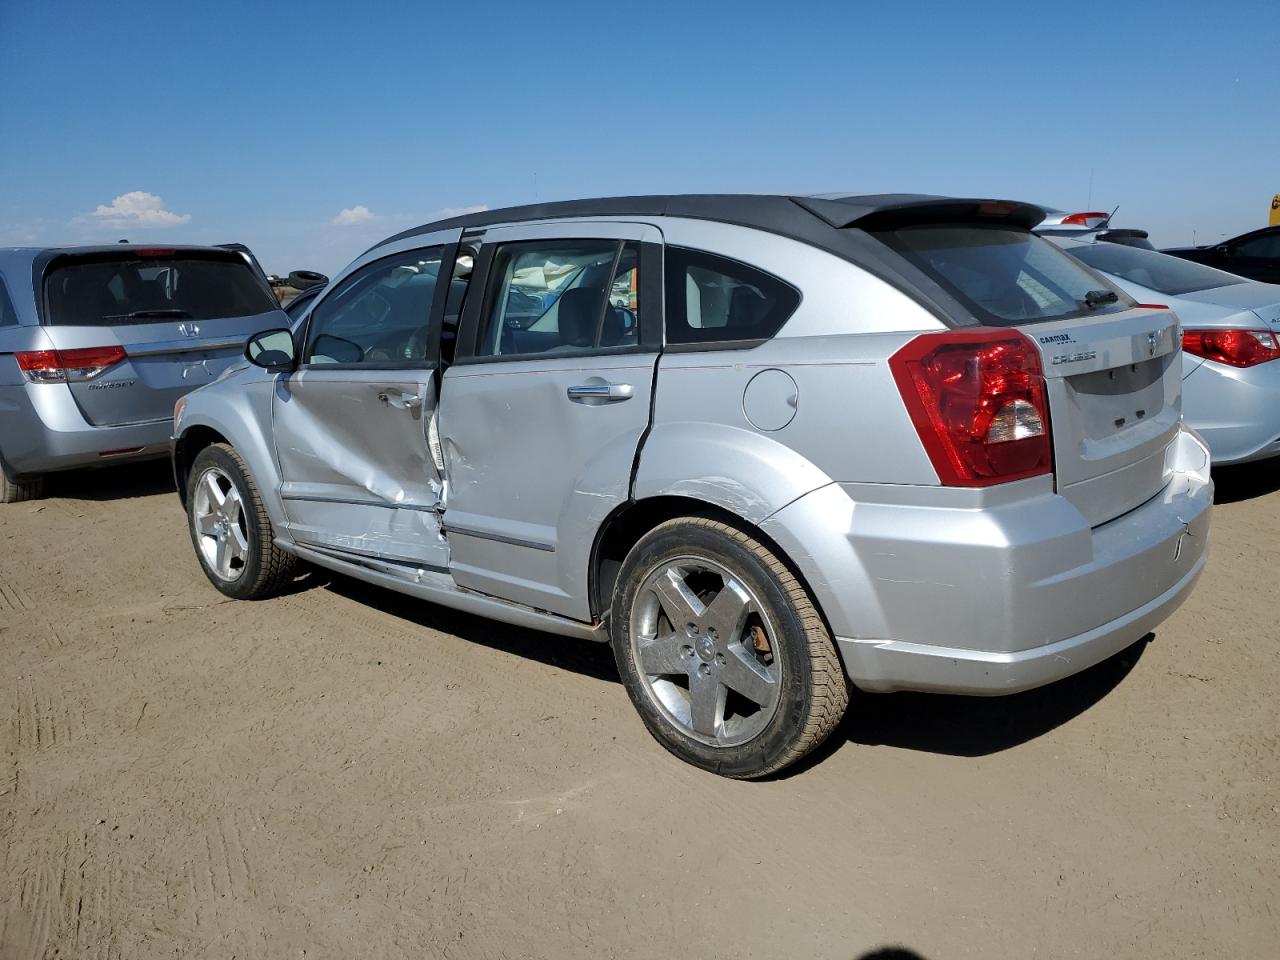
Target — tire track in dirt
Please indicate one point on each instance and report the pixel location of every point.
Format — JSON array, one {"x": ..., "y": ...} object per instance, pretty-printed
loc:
[
  {"x": 67, "y": 901},
  {"x": 43, "y": 719}
]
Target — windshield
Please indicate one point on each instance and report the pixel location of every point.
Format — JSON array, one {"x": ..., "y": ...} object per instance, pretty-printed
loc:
[
  {"x": 153, "y": 287},
  {"x": 1159, "y": 271},
  {"x": 1004, "y": 276}
]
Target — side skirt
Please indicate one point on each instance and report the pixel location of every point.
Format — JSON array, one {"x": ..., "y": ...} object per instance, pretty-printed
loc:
[{"x": 437, "y": 586}]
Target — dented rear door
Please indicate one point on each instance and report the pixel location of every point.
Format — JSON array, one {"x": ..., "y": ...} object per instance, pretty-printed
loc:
[{"x": 351, "y": 424}]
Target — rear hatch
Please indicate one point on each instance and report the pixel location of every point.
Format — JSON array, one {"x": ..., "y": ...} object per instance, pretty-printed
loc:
[
  {"x": 1112, "y": 368},
  {"x": 166, "y": 320}
]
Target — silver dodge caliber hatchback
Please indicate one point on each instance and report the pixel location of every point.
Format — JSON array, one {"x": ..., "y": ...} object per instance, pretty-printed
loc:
[{"x": 765, "y": 446}]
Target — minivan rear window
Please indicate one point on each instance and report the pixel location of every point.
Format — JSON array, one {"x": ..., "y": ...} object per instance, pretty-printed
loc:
[
  {"x": 109, "y": 289},
  {"x": 1147, "y": 268},
  {"x": 1003, "y": 276}
]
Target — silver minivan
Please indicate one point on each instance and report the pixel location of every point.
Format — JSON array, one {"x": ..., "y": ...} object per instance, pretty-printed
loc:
[
  {"x": 96, "y": 344},
  {"x": 768, "y": 447}
]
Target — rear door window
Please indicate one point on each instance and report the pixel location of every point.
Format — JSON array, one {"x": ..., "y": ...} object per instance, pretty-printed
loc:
[
  {"x": 719, "y": 303},
  {"x": 152, "y": 286},
  {"x": 1003, "y": 276},
  {"x": 561, "y": 296},
  {"x": 1159, "y": 271}
]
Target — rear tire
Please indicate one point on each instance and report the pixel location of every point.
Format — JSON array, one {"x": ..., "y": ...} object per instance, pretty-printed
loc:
[
  {"x": 722, "y": 651},
  {"x": 16, "y": 491},
  {"x": 230, "y": 529}
]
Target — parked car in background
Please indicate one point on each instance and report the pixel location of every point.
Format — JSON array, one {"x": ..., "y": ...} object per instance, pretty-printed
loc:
[
  {"x": 96, "y": 344},
  {"x": 1095, "y": 224},
  {"x": 1255, "y": 255},
  {"x": 761, "y": 444},
  {"x": 1230, "y": 339}
]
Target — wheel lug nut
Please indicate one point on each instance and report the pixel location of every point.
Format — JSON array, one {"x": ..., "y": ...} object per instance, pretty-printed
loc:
[
  {"x": 691, "y": 629},
  {"x": 686, "y": 651},
  {"x": 704, "y": 669},
  {"x": 720, "y": 659},
  {"x": 711, "y": 633}
]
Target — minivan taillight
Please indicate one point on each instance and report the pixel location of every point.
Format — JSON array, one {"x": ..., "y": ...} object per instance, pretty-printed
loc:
[
  {"x": 1237, "y": 348},
  {"x": 977, "y": 399},
  {"x": 63, "y": 366}
]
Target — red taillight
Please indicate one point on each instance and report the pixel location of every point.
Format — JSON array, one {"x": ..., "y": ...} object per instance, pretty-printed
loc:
[
  {"x": 154, "y": 252},
  {"x": 61, "y": 366},
  {"x": 977, "y": 399},
  {"x": 1237, "y": 348},
  {"x": 1082, "y": 219},
  {"x": 1152, "y": 306}
]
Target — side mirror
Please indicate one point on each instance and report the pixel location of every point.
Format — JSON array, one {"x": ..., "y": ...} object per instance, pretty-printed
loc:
[
  {"x": 1221, "y": 250},
  {"x": 271, "y": 350}
]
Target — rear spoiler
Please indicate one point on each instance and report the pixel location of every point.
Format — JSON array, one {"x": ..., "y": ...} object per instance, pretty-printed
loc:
[{"x": 843, "y": 214}]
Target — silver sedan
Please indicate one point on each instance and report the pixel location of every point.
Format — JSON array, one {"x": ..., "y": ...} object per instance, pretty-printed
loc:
[{"x": 1230, "y": 340}]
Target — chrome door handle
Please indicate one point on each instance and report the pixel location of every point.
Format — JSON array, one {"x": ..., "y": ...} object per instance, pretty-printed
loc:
[
  {"x": 402, "y": 401},
  {"x": 601, "y": 392}
]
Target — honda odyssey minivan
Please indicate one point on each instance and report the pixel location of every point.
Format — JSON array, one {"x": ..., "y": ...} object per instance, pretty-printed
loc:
[{"x": 96, "y": 344}]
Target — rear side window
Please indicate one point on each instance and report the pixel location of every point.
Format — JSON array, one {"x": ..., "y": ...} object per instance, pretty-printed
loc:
[
  {"x": 152, "y": 287},
  {"x": 1159, "y": 271},
  {"x": 8, "y": 317},
  {"x": 716, "y": 301},
  {"x": 1003, "y": 276},
  {"x": 1265, "y": 247}
]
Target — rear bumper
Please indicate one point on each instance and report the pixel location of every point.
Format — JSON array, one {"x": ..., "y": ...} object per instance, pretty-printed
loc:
[
  {"x": 44, "y": 431},
  {"x": 993, "y": 591},
  {"x": 898, "y": 665},
  {"x": 1237, "y": 411}
]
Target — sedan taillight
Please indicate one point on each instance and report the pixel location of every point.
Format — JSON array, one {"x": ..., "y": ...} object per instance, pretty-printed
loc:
[
  {"x": 68, "y": 366},
  {"x": 977, "y": 399},
  {"x": 1236, "y": 348}
]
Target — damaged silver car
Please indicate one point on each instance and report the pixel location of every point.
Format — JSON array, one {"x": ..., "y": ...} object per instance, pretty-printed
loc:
[{"x": 768, "y": 447}]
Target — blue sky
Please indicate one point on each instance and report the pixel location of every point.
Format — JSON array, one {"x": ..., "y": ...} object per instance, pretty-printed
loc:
[{"x": 262, "y": 123}]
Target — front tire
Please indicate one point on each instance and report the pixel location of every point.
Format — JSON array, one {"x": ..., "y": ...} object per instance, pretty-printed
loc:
[
  {"x": 722, "y": 651},
  {"x": 230, "y": 529},
  {"x": 16, "y": 491}
]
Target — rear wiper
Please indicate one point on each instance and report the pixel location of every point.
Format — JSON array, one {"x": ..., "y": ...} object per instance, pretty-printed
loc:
[
  {"x": 149, "y": 314},
  {"x": 1096, "y": 298}
]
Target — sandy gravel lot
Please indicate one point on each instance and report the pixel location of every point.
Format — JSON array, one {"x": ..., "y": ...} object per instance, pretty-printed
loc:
[{"x": 345, "y": 773}]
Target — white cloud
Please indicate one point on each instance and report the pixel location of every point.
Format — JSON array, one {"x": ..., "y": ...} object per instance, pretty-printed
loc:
[
  {"x": 135, "y": 208},
  {"x": 448, "y": 212},
  {"x": 351, "y": 216}
]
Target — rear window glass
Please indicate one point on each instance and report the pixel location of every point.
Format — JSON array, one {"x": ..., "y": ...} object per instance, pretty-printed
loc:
[
  {"x": 714, "y": 300},
  {"x": 1004, "y": 276},
  {"x": 106, "y": 290},
  {"x": 1159, "y": 271}
]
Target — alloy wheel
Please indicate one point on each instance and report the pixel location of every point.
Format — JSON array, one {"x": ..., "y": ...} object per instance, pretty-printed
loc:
[
  {"x": 218, "y": 519},
  {"x": 705, "y": 651}
]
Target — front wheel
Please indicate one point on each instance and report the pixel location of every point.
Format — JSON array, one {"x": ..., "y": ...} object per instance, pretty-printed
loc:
[
  {"x": 722, "y": 651},
  {"x": 230, "y": 528}
]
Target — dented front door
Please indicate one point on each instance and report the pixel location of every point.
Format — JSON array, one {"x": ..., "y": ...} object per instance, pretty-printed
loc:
[{"x": 351, "y": 425}]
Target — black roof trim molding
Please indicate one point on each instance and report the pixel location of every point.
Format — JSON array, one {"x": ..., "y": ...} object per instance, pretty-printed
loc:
[{"x": 891, "y": 210}]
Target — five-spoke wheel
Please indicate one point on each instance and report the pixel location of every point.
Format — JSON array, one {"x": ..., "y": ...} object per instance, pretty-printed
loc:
[
  {"x": 230, "y": 528},
  {"x": 217, "y": 518},
  {"x": 722, "y": 650}
]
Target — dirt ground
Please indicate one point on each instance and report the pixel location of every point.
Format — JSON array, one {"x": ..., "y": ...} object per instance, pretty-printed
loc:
[{"x": 345, "y": 773}]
